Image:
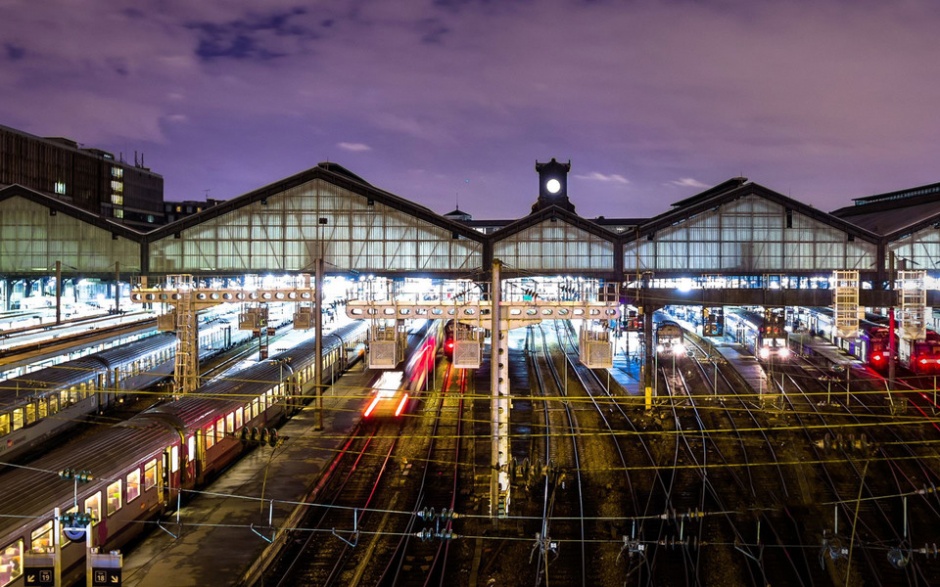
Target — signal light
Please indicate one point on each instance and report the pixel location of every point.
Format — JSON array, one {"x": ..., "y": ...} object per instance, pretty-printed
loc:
[{"x": 83, "y": 476}]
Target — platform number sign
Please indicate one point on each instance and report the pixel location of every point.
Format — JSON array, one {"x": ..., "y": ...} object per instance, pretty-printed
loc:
[
  {"x": 39, "y": 577},
  {"x": 105, "y": 577}
]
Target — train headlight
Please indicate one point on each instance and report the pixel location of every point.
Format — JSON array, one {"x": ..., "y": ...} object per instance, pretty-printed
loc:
[
  {"x": 678, "y": 349},
  {"x": 660, "y": 348},
  {"x": 764, "y": 352},
  {"x": 784, "y": 353}
]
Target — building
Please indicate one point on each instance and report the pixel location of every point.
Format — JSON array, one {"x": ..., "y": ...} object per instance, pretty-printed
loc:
[
  {"x": 90, "y": 179},
  {"x": 173, "y": 211}
]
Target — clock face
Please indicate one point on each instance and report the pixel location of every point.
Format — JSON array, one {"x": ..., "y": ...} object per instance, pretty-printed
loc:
[{"x": 553, "y": 186}]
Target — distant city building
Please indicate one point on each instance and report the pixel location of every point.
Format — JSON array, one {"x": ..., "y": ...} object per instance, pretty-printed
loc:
[
  {"x": 91, "y": 179},
  {"x": 176, "y": 210}
]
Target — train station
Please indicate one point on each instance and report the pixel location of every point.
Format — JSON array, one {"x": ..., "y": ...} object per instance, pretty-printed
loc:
[{"x": 740, "y": 390}]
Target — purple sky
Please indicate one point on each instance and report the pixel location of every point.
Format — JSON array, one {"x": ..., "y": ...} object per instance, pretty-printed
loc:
[{"x": 455, "y": 100}]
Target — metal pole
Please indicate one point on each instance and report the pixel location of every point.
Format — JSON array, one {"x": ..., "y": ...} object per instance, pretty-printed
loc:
[
  {"x": 318, "y": 344},
  {"x": 58, "y": 292}
]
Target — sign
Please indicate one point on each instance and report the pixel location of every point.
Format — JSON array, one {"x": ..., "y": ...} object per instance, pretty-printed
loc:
[
  {"x": 39, "y": 576},
  {"x": 105, "y": 577}
]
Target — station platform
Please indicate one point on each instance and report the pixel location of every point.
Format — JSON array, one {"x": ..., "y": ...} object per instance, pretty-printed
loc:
[
  {"x": 626, "y": 369},
  {"x": 224, "y": 530}
]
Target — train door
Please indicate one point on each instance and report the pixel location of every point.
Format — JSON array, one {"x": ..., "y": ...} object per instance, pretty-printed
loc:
[{"x": 189, "y": 460}]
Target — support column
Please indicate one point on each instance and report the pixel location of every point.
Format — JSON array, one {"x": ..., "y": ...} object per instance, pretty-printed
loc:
[
  {"x": 500, "y": 402},
  {"x": 318, "y": 344}
]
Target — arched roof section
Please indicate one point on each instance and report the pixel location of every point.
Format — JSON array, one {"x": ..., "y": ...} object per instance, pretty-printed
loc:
[
  {"x": 748, "y": 229},
  {"x": 917, "y": 246},
  {"x": 283, "y": 226},
  {"x": 554, "y": 240},
  {"x": 37, "y": 230}
]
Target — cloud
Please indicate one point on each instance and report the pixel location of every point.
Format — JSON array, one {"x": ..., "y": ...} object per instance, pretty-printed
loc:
[
  {"x": 606, "y": 178},
  {"x": 688, "y": 182},
  {"x": 354, "y": 147}
]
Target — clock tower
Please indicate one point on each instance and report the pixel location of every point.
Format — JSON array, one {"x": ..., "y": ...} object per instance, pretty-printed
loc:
[{"x": 553, "y": 185}]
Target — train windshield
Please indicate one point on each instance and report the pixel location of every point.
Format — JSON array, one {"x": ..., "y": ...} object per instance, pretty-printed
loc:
[{"x": 388, "y": 384}]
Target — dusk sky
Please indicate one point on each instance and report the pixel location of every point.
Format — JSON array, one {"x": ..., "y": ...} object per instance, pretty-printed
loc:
[{"x": 453, "y": 101}]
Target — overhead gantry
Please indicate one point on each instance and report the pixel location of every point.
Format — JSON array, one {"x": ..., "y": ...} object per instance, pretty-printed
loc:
[{"x": 492, "y": 308}]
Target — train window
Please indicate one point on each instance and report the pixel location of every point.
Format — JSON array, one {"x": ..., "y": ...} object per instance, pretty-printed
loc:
[
  {"x": 11, "y": 562},
  {"x": 4, "y": 424},
  {"x": 256, "y": 410},
  {"x": 43, "y": 408},
  {"x": 114, "y": 497},
  {"x": 220, "y": 430},
  {"x": 30, "y": 413},
  {"x": 133, "y": 485},
  {"x": 93, "y": 507},
  {"x": 150, "y": 474},
  {"x": 53, "y": 403},
  {"x": 41, "y": 538},
  {"x": 174, "y": 458},
  {"x": 230, "y": 423},
  {"x": 64, "y": 398},
  {"x": 191, "y": 448},
  {"x": 17, "y": 418},
  {"x": 247, "y": 412},
  {"x": 238, "y": 418},
  {"x": 210, "y": 436}
]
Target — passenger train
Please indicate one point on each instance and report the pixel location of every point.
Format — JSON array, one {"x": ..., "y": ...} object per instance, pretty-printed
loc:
[
  {"x": 762, "y": 334},
  {"x": 669, "y": 338},
  {"x": 141, "y": 467},
  {"x": 396, "y": 392},
  {"x": 39, "y": 405},
  {"x": 872, "y": 343}
]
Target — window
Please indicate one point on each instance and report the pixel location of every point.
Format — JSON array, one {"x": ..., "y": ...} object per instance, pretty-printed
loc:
[
  {"x": 114, "y": 497},
  {"x": 191, "y": 448},
  {"x": 41, "y": 538},
  {"x": 238, "y": 419},
  {"x": 11, "y": 562},
  {"x": 93, "y": 507},
  {"x": 117, "y": 172},
  {"x": 117, "y": 199},
  {"x": 174, "y": 458},
  {"x": 210, "y": 436},
  {"x": 133, "y": 485},
  {"x": 4, "y": 424},
  {"x": 17, "y": 418},
  {"x": 117, "y": 187},
  {"x": 60, "y": 188},
  {"x": 150, "y": 474},
  {"x": 230, "y": 423},
  {"x": 219, "y": 430},
  {"x": 118, "y": 213}
]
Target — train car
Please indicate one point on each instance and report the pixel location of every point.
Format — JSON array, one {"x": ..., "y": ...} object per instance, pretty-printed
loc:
[
  {"x": 42, "y": 404},
  {"x": 449, "y": 336},
  {"x": 669, "y": 338},
  {"x": 142, "y": 467},
  {"x": 762, "y": 334},
  {"x": 396, "y": 393},
  {"x": 920, "y": 356}
]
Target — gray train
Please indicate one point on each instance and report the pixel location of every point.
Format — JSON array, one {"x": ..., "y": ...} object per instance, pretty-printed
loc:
[
  {"x": 141, "y": 467},
  {"x": 40, "y": 405}
]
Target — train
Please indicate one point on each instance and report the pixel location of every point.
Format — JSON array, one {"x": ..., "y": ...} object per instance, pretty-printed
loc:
[
  {"x": 141, "y": 468},
  {"x": 395, "y": 393},
  {"x": 763, "y": 334},
  {"x": 449, "y": 335},
  {"x": 669, "y": 338},
  {"x": 40, "y": 405},
  {"x": 871, "y": 345}
]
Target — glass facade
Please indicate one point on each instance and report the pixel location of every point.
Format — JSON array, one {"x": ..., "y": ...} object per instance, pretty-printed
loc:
[
  {"x": 285, "y": 232},
  {"x": 555, "y": 246}
]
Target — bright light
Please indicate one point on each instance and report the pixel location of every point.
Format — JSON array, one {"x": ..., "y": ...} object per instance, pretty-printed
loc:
[
  {"x": 678, "y": 349},
  {"x": 553, "y": 186},
  {"x": 401, "y": 405},
  {"x": 764, "y": 352},
  {"x": 684, "y": 284},
  {"x": 784, "y": 352},
  {"x": 660, "y": 348}
]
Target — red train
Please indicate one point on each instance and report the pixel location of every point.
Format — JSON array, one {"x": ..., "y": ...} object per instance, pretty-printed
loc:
[{"x": 395, "y": 392}]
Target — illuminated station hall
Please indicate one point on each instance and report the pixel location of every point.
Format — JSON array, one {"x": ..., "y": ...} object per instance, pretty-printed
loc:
[{"x": 322, "y": 383}]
